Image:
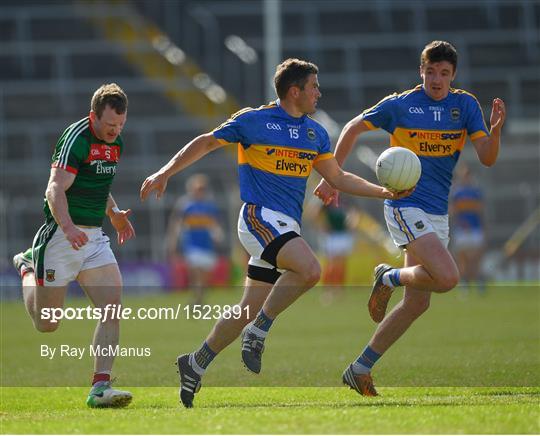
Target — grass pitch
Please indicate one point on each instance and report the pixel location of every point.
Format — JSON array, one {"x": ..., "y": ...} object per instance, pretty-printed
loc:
[
  {"x": 471, "y": 364},
  {"x": 279, "y": 411}
]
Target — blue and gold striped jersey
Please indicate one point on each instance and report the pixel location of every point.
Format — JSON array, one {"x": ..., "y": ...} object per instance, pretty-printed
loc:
[
  {"x": 199, "y": 218},
  {"x": 467, "y": 205},
  {"x": 276, "y": 153},
  {"x": 436, "y": 131}
]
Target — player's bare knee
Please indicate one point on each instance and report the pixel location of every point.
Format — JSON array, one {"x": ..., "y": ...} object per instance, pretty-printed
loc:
[
  {"x": 312, "y": 273},
  {"x": 448, "y": 281}
]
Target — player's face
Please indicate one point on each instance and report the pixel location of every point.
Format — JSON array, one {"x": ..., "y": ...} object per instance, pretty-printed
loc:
[
  {"x": 437, "y": 77},
  {"x": 109, "y": 126},
  {"x": 308, "y": 97},
  {"x": 199, "y": 191}
]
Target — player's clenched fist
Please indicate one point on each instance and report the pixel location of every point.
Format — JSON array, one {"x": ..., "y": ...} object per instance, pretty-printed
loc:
[
  {"x": 326, "y": 193},
  {"x": 156, "y": 182},
  {"x": 76, "y": 237}
]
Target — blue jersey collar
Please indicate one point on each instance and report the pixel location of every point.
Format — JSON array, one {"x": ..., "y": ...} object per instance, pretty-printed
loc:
[
  {"x": 286, "y": 114},
  {"x": 434, "y": 101}
]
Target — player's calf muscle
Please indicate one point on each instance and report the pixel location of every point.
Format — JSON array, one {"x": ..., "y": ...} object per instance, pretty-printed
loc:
[{"x": 45, "y": 326}]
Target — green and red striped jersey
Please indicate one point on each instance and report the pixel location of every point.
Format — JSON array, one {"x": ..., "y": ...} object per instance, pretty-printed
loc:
[{"x": 93, "y": 162}]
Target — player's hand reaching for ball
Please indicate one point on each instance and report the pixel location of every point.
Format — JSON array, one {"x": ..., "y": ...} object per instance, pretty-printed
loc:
[{"x": 156, "y": 182}]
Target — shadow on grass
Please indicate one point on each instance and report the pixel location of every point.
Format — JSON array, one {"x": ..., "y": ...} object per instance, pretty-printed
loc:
[{"x": 455, "y": 401}]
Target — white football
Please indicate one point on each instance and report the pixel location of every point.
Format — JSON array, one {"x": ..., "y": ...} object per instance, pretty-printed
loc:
[{"x": 398, "y": 168}]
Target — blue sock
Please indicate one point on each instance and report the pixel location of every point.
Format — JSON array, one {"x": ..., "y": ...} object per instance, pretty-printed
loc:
[
  {"x": 203, "y": 356},
  {"x": 263, "y": 322},
  {"x": 392, "y": 278},
  {"x": 365, "y": 361}
]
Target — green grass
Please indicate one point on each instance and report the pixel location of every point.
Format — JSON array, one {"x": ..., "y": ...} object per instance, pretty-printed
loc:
[
  {"x": 279, "y": 411},
  {"x": 469, "y": 365}
]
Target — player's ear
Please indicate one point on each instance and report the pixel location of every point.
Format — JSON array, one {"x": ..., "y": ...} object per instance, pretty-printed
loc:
[
  {"x": 294, "y": 91},
  {"x": 92, "y": 116}
]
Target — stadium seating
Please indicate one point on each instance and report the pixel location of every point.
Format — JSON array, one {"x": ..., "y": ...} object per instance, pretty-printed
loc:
[{"x": 365, "y": 50}]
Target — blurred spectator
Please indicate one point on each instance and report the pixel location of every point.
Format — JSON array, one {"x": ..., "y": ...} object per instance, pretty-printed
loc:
[
  {"x": 466, "y": 211},
  {"x": 193, "y": 234},
  {"x": 336, "y": 242}
]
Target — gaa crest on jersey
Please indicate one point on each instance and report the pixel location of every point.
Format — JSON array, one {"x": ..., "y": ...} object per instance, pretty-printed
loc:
[
  {"x": 455, "y": 113},
  {"x": 49, "y": 275},
  {"x": 311, "y": 134},
  {"x": 419, "y": 225}
]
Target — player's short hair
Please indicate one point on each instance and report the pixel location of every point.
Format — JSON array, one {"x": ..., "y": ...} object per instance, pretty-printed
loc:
[
  {"x": 109, "y": 94},
  {"x": 439, "y": 51},
  {"x": 292, "y": 72}
]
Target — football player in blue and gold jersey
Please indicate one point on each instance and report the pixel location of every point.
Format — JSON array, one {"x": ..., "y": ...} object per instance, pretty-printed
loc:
[
  {"x": 278, "y": 146},
  {"x": 194, "y": 234},
  {"x": 468, "y": 230},
  {"x": 433, "y": 120}
]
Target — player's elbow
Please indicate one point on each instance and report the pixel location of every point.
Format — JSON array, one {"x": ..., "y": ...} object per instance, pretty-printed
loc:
[
  {"x": 488, "y": 162},
  {"x": 487, "y": 155}
]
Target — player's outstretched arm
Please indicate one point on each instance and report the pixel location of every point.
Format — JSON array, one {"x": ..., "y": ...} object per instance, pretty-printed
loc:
[
  {"x": 487, "y": 147},
  {"x": 120, "y": 221},
  {"x": 190, "y": 153},
  {"x": 352, "y": 184},
  {"x": 59, "y": 182},
  {"x": 344, "y": 145}
]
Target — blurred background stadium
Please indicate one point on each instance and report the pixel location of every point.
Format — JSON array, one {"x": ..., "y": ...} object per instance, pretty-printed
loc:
[{"x": 187, "y": 65}]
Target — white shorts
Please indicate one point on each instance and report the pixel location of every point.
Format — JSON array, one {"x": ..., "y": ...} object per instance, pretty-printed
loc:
[
  {"x": 338, "y": 244},
  {"x": 197, "y": 258},
  {"x": 406, "y": 224},
  {"x": 56, "y": 262},
  {"x": 258, "y": 227},
  {"x": 467, "y": 238}
]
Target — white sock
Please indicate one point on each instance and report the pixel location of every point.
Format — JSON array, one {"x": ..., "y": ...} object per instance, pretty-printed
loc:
[
  {"x": 386, "y": 279},
  {"x": 358, "y": 368},
  {"x": 200, "y": 371},
  {"x": 257, "y": 331}
]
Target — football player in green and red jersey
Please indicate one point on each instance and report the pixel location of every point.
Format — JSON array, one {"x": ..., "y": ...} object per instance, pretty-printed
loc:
[{"x": 71, "y": 244}]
